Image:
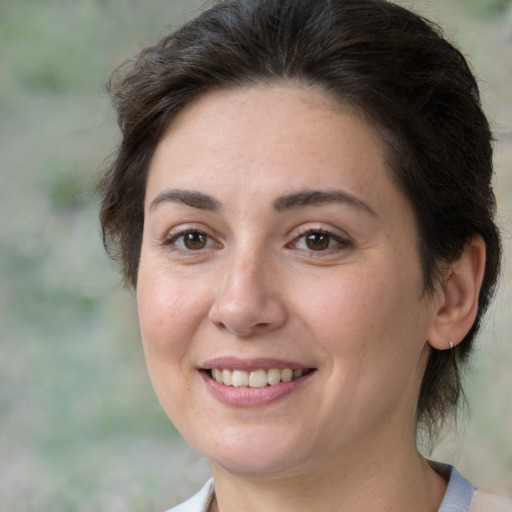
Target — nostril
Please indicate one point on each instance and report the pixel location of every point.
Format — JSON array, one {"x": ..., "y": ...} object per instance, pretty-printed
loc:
[{"x": 244, "y": 310}]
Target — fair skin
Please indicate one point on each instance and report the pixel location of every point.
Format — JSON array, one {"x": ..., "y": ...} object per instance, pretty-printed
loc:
[{"x": 274, "y": 239}]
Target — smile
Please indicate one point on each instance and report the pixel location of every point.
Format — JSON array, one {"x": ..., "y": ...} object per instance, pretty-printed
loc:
[{"x": 257, "y": 378}]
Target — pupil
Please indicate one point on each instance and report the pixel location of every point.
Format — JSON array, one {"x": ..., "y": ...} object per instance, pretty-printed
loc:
[
  {"x": 317, "y": 241},
  {"x": 195, "y": 240}
]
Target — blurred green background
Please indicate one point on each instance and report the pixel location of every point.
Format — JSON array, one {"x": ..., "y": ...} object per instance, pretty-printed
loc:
[{"x": 80, "y": 428}]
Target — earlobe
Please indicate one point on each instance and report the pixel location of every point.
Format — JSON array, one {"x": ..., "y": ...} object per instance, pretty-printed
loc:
[{"x": 460, "y": 292}]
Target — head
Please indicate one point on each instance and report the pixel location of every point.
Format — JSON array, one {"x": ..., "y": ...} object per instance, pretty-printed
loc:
[{"x": 375, "y": 58}]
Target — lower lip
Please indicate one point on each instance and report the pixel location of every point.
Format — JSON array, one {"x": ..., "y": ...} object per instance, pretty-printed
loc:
[{"x": 252, "y": 397}]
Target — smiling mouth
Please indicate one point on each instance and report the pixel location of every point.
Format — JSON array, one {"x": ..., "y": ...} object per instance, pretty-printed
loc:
[{"x": 256, "y": 378}]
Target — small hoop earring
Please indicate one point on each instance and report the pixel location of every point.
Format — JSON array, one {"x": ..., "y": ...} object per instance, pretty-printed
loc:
[{"x": 451, "y": 345}]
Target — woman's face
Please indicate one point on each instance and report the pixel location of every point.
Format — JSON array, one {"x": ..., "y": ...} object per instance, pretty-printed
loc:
[{"x": 275, "y": 241}]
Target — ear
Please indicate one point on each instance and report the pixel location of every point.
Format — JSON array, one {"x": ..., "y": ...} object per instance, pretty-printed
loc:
[{"x": 459, "y": 296}]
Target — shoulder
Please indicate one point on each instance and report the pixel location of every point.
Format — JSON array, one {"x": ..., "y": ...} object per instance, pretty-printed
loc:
[
  {"x": 200, "y": 502},
  {"x": 485, "y": 502},
  {"x": 461, "y": 496}
]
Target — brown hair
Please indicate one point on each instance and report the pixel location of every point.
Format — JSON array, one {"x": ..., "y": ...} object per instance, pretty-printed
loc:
[{"x": 392, "y": 65}]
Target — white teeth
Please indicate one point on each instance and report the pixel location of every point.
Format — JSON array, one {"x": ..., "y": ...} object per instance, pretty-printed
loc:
[
  {"x": 258, "y": 379},
  {"x": 274, "y": 376},
  {"x": 255, "y": 378},
  {"x": 240, "y": 378},
  {"x": 287, "y": 375},
  {"x": 227, "y": 377}
]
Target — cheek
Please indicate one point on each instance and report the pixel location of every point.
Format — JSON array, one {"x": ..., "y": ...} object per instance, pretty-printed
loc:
[
  {"x": 369, "y": 315},
  {"x": 170, "y": 310},
  {"x": 372, "y": 326},
  {"x": 349, "y": 302},
  {"x": 169, "y": 314}
]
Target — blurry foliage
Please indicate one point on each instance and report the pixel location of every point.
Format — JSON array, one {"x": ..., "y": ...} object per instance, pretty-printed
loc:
[
  {"x": 80, "y": 426},
  {"x": 491, "y": 6}
]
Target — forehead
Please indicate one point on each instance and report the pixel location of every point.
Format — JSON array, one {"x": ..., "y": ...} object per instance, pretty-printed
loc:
[{"x": 260, "y": 133}]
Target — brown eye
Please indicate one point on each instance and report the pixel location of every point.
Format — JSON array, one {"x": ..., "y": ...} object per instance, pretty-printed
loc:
[
  {"x": 320, "y": 241},
  {"x": 317, "y": 241},
  {"x": 190, "y": 240},
  {"x": 195, "y": 240}
]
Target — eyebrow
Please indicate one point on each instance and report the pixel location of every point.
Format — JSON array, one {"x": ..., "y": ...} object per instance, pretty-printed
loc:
[
  {"x": 283, "y": 203},
  {"x": 191, "y": 198},
  {"x": 318, "y": 197}
]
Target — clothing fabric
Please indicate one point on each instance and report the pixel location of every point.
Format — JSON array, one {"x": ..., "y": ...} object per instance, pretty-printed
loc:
[
  {"x": 200, "y": 502},
  {"x": 460, "y": 496}
]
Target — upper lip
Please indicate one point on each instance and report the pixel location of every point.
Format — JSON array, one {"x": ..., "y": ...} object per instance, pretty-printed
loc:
[{"x": 234, "y": 363}]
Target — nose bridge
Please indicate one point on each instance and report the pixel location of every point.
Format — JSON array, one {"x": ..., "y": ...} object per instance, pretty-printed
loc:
[
  {"x": 245, "y": 273},
  {"x": 247, "y": 298}
]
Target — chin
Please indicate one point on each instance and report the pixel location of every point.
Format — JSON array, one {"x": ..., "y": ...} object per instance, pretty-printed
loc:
[
  {"x": 256, "y": 454},
  {"x": 258, "y": 468}
]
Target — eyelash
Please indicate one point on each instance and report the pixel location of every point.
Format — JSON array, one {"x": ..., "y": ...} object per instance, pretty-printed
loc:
[
  {"x": 339, "y": 242},
  {"x": 173, "y": 237}
]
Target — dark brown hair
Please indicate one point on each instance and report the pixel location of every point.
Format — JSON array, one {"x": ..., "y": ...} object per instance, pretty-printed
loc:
[{"x": 390, "y": 64}]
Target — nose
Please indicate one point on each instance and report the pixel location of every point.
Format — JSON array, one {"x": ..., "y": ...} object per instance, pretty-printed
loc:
[{"x": 248, "y": 301}]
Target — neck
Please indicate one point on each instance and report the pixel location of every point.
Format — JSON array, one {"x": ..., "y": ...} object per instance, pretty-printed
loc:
[{"x": 393, "y": 481}]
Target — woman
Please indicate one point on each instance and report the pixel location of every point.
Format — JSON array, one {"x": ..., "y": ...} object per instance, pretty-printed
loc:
[{"x": 302, "y": 200}]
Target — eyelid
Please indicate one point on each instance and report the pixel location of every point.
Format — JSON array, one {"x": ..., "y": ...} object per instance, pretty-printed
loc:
[
  {"x": 343, "y": 241},
  {"x": 173, "y": 234}
]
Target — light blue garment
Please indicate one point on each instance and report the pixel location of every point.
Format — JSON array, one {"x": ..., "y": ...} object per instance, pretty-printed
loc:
[
  {"x": 458, "y": 498},
  {"x": 459, "y": 493}
]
